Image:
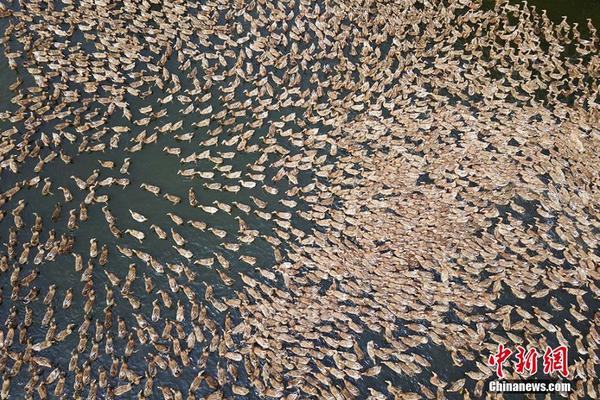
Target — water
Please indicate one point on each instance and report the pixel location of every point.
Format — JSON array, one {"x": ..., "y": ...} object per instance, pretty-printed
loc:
[{"x": 574, "y": 11}]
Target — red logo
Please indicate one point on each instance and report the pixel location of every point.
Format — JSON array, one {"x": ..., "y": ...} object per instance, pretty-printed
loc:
[
  {"x": 554, "y": 360},
  {"x": 499, "y": 359},
  {"x": 526, "y": 361}
]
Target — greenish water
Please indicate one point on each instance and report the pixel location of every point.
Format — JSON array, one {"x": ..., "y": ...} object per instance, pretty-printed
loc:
[
  {"x": 575, "y": 10},
  {"x": 578, "y": 11}
]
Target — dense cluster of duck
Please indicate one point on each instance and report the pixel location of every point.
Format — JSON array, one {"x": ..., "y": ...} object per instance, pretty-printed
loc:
[{"x": 349, "y": 196}]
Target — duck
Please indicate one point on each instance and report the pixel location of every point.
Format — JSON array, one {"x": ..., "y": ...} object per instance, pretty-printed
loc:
[{"x": 137, "y": 216}]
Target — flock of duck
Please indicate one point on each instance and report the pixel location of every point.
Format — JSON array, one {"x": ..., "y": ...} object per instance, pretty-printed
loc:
[{"x": 293, "y": 199}]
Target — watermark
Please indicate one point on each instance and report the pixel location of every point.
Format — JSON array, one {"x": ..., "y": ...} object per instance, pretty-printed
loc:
[
  {"x": 525, "y": 361},
  {"x": 555, "y": 360},
  {"x": 529, "y": 386}
]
